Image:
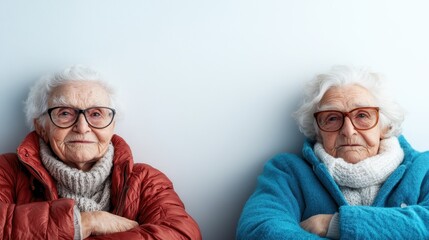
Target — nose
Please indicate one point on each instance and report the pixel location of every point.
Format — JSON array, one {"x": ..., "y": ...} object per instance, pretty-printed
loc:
[
  {"x": 348, "y": 129},
  {"x": 81, "y": 126}
]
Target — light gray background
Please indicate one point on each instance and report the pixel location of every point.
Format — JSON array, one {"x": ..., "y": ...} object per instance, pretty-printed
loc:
[{"x": 208, "y": 87}]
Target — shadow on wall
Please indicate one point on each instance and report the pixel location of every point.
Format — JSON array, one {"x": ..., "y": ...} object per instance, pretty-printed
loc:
[
  {"x": 291, "y": 142},
  {"x": 13, "y": 124}
]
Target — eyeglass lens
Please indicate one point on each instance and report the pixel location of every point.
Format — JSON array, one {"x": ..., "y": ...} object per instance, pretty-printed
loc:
[
  {"x": 98, "y": 117},
  {"x": 361, "y": 118}
]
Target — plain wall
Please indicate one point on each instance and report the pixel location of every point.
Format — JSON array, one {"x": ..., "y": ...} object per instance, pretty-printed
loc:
[{"x": 208, "y": 87}]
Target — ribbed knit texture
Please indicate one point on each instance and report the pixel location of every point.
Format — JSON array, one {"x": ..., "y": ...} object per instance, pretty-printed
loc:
[
  {"x": 91, "y": 189},
  {"x": 361, "y": 182}
]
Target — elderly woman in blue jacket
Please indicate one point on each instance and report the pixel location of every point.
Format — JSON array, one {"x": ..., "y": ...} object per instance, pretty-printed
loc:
[{"x": 357, "y": 177}]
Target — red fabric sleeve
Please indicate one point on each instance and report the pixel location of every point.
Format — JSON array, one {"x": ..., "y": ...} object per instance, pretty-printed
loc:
[
  {"x": 37, "y": 220},
  {"x": 153, "y": 203}
]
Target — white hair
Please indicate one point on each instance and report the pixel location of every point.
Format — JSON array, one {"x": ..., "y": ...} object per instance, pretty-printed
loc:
[
  {"x": 36, "y": 104},
  {"x": 391, "y": 114}
]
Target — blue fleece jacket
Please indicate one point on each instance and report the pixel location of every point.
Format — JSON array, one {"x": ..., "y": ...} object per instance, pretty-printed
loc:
[{"x": 292, "y": 189}]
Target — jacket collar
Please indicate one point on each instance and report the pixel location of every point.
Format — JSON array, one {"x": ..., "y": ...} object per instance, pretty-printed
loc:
[
  {"x": 122, "y": 167},
  {"x": 308, "y": 152},
  {"x": 322, "y": 172},
  {"x": 28, "y": 153}
]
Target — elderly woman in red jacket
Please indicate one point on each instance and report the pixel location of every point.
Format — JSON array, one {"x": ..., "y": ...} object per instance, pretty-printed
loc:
[{"x": 74, "y": 178}]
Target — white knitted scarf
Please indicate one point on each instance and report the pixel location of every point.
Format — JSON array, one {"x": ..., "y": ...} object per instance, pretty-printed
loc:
[
  {"x": 361, "y": 182},
  {"x": 90, "y": 190}
]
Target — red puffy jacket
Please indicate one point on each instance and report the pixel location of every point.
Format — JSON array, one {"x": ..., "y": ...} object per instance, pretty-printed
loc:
[{"x": 31, "y": 209}]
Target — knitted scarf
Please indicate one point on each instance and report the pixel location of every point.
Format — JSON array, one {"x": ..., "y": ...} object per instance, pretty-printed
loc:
[
  {"x": 90, "y": 190},
  {"x": 361, "y": 182}
]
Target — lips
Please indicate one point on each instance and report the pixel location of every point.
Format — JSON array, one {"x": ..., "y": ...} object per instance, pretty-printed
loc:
[
  {"x": 80, "y": 141},
  {"x": 350, "y": 145}
]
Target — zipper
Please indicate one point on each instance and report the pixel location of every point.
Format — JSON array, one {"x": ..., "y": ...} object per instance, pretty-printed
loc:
[{"x": 38, "y": 177}]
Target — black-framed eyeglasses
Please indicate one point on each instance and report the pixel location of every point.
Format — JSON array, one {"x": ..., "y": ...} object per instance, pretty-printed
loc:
[
  {"x": 96, "y": 117},
  {"x": 363, "y": 118}
]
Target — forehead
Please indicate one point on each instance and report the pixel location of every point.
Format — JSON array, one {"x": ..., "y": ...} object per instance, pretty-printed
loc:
[
  {"x": 81, "y": 94},
  {"x": 346, "y": 98}
]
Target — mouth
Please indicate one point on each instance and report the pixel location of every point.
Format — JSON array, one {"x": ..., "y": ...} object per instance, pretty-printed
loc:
[
  {"x": 349, "y": 145},
  {"x": 80, "y": 142}
]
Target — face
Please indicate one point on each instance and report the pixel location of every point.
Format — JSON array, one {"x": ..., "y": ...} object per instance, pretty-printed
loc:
[
  {"x": 348, "y": 143},
  {"x": 80, "y": 145}
]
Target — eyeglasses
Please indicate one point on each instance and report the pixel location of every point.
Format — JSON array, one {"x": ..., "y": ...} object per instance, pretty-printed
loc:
[
  {"x": 96, "y": 117},
  {"x": 363, "y": 118}
]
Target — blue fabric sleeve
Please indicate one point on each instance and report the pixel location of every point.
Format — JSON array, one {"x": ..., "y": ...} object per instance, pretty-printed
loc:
[
  {"x": 289, "y": 191},
  {"x": 408, "y": 216},
  {"x": 274, "y": 209},
  {"x": 407, "y": 220},
  {"x": 359, "y": 222}
]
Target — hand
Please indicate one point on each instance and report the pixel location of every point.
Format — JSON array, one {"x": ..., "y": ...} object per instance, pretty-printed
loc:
[
  {"x": 317, "y": 224},
  {"x": 101, "y": 222}
]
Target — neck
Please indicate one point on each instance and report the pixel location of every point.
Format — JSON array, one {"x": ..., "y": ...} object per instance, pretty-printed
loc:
[{"x": 82, "y": 166}]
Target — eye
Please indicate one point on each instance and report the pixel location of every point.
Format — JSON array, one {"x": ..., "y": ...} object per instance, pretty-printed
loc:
[
  {"x": 363, "y": 115},
  {"x": 65, "y": 113},
  {"x": 332, "y": 118},
  {"x": 329, "y": 118},
  {"x": 95, "y": 114}
]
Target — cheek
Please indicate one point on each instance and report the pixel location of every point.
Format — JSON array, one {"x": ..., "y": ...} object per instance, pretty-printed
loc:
[
  {"x": 328, "y": 139},
  {"x": 104, "y": 137},
  {"x": 373, "y": 146},
  {"x": 328, "y": 142},
  {"x": 373, "y": 137},
  {"x": 56, "y": 141},
  {"x": 57, "y": 136}
]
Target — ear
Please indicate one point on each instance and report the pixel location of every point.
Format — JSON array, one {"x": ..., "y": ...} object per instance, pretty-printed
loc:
[
  {"x": 384, "y": 132},
  {"x": 319, "y": 138},
  {"x": 40, "y": 129}
]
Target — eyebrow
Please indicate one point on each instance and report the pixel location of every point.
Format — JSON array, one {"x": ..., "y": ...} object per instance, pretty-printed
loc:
[
  {"x": 326, "y": 107},
  {"x": 61, "y": 102}
]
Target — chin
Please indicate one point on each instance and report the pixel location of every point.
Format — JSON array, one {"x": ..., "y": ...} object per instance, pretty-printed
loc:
[
  {"x": 353, "y": 159},
  {"x": 83, "y": 159}
]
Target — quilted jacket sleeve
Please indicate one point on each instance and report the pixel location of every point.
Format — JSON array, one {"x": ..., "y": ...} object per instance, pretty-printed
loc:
[
  {"x": 153, "y": 203},
  {"x": 38, "y": 220}
]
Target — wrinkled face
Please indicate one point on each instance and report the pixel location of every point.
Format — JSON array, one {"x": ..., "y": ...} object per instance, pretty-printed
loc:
[
  {"x": 348, "y": 143},
  {"x": 80, "y": 145}
]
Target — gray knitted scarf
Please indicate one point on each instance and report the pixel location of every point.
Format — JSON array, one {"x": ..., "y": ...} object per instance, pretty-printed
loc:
[
  {"x": 361, "y": 182},
  {"x": 90, "y": 190}
]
